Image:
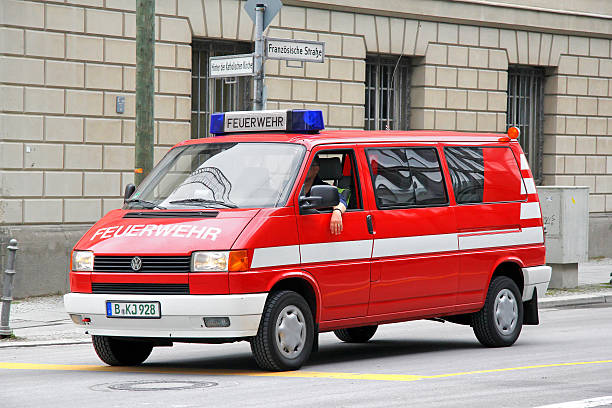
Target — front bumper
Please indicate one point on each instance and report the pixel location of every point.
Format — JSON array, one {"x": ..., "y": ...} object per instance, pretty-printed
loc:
[
  {"x": 181, "y": 315},
  {"x": 536, "y": 278}
]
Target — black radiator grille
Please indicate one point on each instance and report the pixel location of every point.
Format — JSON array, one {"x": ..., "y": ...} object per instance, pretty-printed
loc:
[
  {"x": 141, "y": 288},
  {"x": 150, "y": 264}
]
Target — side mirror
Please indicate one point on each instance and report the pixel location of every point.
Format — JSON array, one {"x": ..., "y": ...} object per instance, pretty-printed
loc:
[
  {"x": 129, "y": 190},
  {"x": 320, "y": 197}
]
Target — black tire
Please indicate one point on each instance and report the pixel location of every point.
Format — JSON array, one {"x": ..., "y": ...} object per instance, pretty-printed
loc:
[
  {"x": 268, "y": 346},
  {"x": 491, "y": 331},
  {"x": 356, "y": 334},
  {"x": 118, "y": 352}
]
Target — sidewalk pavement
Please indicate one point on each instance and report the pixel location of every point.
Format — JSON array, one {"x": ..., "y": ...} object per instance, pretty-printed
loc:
[{"x": 41, "y": 321}]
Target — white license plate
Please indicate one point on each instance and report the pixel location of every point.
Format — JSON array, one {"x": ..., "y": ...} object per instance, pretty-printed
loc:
[{"x": 137, "y": 310}]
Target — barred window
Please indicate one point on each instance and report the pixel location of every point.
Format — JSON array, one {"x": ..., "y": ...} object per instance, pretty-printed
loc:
[
  {"x": 525, "y": 100},
  {"x": 210, "y": 95},
  {"x": 387, "y": 93}
]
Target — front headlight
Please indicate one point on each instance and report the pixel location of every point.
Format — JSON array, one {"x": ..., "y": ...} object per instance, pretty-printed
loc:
[
  {"x": 210, "y": 261},
  {"x": 82, "y": 261},
  {"x": 220, "y": 261}
]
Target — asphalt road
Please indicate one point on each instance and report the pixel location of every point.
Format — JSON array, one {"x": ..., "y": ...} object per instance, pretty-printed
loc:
[{"x": 425, "y": 364}]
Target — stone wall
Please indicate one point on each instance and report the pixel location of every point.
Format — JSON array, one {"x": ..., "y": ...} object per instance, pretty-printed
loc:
[
  {"x": 66, "y": 155},
  {"x": 578, "y": 125}
]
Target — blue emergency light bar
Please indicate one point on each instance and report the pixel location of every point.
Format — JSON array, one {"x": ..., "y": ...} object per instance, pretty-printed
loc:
[{"x": 292, "y": 121}]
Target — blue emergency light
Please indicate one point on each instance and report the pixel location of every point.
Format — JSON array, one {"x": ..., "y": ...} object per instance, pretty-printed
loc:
[{"x": 293, "y": 121}]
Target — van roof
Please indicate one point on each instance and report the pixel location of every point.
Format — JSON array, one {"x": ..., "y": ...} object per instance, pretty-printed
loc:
[{"x": 353, "y": 136}]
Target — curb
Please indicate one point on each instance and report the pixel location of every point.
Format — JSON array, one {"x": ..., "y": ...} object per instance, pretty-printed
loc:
[
  {"x": 19, "y": 344},
  {"x": 576, "y": 300},
  {"x": 25, "y": 343}
]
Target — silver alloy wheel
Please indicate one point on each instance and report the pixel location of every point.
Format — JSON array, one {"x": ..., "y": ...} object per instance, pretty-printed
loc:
[
  {"x": 290, "y": 333},
  {"x": 506, "y": 311}
]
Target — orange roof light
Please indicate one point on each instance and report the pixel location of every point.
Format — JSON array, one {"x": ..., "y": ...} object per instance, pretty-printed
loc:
[{"x": 514, "y": 132}]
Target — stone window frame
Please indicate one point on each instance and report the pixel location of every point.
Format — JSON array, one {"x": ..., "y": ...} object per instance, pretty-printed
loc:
[
  {"x": 210, "y": 95},
  {"x": 525, "y": 110},
  {"x": 387, "y": 110}
]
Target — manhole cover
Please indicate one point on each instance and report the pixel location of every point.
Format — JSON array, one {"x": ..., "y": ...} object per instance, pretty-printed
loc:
[{"x": 161, "y": 385}]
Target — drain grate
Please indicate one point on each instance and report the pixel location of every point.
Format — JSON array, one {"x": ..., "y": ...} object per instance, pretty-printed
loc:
[{"x": 160, "y": 385}]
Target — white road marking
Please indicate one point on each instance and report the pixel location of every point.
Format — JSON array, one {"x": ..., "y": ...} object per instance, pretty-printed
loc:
[{"x": 586, "y": 403}]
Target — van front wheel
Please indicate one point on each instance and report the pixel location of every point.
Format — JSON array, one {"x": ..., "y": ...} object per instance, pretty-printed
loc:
[
  {"x": 118, "y": 352},
  {"x": 499, "y": 322},
  {"x": 286, "y": 333},
  {"x": 356, "y": 334}
]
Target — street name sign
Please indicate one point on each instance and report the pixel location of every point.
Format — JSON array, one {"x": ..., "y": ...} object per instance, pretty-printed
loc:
[
  {"x": 231, "y": 66},
  {"x": 295, "y": 50}
]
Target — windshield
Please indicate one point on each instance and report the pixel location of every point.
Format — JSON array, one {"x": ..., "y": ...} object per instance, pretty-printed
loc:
[{"x": 221, "y": 175}]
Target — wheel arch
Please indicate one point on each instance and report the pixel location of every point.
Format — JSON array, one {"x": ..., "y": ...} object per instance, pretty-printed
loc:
[
  {"x": 303, "y": 284},
  {"x": 512, "y": 268}
]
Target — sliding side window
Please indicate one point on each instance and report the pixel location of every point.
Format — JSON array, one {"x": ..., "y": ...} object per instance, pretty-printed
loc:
[
  {"x": 484, "y": 175},
  {"x": 406, "y": 177}
]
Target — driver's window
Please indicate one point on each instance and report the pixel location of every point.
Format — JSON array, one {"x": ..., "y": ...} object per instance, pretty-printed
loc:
[{"x": 335, "y": 168}]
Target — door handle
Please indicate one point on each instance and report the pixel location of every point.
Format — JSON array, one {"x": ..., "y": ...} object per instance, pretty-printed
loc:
[{"x": 370, "y": 226}]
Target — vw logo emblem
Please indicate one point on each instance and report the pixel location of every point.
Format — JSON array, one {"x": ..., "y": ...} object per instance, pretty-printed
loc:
[{"x": 136, "y": 263}]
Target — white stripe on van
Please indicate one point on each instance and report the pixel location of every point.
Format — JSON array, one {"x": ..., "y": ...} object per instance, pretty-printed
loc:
[
  {"x": 421, "y": 244},
  {"x": 524, "y": 162},
  {"x": 387, "y": 247},
  {"x": 530, "y": 210},
  {"x": 275, "y": 256},
  {"x": 530, "y": 185},
  {"x": 336, "y": 251},
  {"x": 533, "y": 235}
]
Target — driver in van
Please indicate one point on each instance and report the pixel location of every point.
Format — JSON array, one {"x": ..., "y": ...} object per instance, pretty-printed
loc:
[{"x": 313, "y": 179}]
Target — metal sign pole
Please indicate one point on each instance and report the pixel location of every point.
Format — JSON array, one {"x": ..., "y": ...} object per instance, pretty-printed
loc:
[
  {"x": 258, "y": 102},
  {"x": 145, "y": 92}
]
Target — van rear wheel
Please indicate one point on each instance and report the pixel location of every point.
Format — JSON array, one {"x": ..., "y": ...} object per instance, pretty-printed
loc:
[
  {"x": 118, "y": 352},
  {"x": 286, "y": 333},
  {"x": 499, "y": 322},
  {"x": 356, "y": 334}
]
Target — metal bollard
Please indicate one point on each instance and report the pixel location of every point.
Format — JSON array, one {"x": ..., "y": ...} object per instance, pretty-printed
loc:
[{"x": 7, "y": 290}]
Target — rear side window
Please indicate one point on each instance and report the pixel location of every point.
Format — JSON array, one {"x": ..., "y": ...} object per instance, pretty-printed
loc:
[
  {"x": 406, "y": 177},
  {"x": 484, "y": 174}
]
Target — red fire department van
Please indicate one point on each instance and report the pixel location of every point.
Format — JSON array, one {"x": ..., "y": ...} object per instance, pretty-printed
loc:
[{"x": 223, "y": 241}]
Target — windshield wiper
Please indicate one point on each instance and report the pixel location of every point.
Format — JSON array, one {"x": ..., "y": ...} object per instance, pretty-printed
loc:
[
  {"x": 204, "y": 202},
  {"x": 146, "y": 204}
]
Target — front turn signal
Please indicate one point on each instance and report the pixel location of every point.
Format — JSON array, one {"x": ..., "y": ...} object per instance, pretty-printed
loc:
[{"x": 238, "y": 261}]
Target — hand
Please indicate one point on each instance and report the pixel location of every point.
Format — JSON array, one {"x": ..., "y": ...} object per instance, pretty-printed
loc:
[{"x": 335, "y": 225}]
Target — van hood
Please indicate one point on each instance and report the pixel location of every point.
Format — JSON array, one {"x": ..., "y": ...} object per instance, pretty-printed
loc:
[{"x": 155, "y": 232}]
